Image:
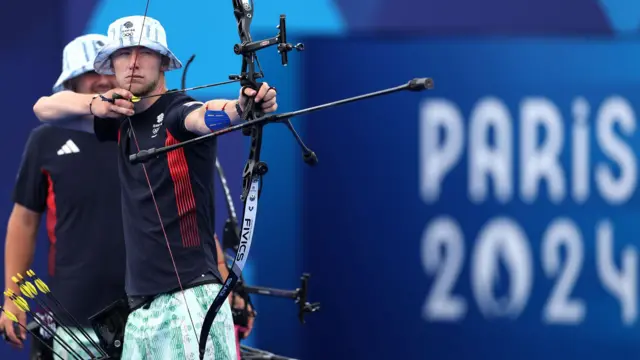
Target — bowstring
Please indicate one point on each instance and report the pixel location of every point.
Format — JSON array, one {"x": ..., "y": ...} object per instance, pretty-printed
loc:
[{"x": 144, "y": 168}]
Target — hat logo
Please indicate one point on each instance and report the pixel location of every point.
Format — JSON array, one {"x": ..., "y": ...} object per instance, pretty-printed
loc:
[{"x": 127, "y": 30}]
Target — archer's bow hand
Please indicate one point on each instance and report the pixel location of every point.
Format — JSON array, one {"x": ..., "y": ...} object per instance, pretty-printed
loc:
[
  {"x": 113, "y": 104},
  {"x": 266, "y": 97}
]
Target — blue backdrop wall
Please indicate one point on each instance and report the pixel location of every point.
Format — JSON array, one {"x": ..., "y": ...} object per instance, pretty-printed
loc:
[{"x": 425, "y": 219}]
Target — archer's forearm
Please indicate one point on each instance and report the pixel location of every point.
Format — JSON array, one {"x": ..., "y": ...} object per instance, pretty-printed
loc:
[
  {"x": 62, "y": 106},
  {"x": 195, "y": 120},
  {"x": 19, "y": 249}
]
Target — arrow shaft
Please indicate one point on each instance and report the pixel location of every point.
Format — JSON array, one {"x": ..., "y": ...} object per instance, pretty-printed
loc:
[
  {"x": 146, "y": 154},
  {"x": 76, "y": 323},
  {"x": 191, "y": 88},
  {"x": 62, "y": 343},
  {"x": 33, "y": 334},
  {"x": 64, "y": 326}
]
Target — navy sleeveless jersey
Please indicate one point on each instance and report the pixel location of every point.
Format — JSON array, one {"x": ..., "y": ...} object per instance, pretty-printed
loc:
[
  {"x": 183, "y": 186},
  {"x": 73, "y": 178}
]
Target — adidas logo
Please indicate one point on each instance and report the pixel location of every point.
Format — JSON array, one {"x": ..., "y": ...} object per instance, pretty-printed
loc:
[{"x": 69, "y": 148}]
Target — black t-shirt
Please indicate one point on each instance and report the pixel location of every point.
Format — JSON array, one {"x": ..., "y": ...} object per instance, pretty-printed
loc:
[
  {"x": 74, "y": 179},
  {"x": 183, "y": 186}
]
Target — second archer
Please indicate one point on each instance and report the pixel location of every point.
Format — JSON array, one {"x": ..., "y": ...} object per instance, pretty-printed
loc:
[{"x": 167, "y": 203}]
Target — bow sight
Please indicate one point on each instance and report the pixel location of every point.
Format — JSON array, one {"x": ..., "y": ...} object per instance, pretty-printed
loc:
[{"x": 280, "y": 39}]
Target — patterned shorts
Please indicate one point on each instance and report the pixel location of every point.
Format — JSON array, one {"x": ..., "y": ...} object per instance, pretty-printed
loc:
[
  {"x": 165, "y": 331},
  {"x": 76, "y": 349}
]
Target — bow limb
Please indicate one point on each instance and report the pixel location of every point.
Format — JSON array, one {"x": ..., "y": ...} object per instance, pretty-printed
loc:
[
  {"x": 183, "y": 82},
  {"x": 254, "y": 168}
]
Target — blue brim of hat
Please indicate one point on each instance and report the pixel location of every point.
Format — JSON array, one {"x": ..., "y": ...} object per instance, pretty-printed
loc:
[{"x": 102, "y": 62}]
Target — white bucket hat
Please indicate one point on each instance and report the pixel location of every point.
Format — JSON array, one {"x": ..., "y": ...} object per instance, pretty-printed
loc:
[
  {"x": 125, "y": 32},
  {"x": 78, "y": 56}
]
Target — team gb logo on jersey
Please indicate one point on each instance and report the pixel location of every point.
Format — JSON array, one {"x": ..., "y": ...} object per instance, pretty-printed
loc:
[{"x": 157, "y": 125}]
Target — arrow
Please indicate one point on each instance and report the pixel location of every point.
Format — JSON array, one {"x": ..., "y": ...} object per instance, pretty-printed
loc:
[{"x": 11, "y": 316}]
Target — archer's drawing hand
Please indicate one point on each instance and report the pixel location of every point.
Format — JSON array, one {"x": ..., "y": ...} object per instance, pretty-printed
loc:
[
  {"x": 120, "y": 107},
  {"x": 266, "y": 96},
  {"x": 6, "y": 325}
]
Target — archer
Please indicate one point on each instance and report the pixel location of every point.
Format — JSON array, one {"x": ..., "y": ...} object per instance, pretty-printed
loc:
[
  {"x": 167, "y": 203},
  {"x": 56, "y": 181}
]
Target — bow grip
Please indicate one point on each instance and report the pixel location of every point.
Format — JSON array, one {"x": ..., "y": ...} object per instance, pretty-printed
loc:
[{"x": 251, "y": 107}]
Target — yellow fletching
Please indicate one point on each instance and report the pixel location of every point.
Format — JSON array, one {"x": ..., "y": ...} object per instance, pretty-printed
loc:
[
  {"x": 21, "y": 303},
  {"x": 135, "y": 99},
  {"x": 26, "y": 292},
  {"x": 32, "y": 288},
  {"x": 9, "y": 292},
  {"x": 10, "y": 315},
  {"x": 24, "y": 302},
  {"x": 42, "y": 286},
  {"x": 15, "y": 279},
  {"x": 20, "y": 276}
]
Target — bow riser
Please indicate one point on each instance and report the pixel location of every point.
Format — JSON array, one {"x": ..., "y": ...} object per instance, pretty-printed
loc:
[
  {"x": 254, "y": 168},
  {"x": 243, "y": 10}
]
